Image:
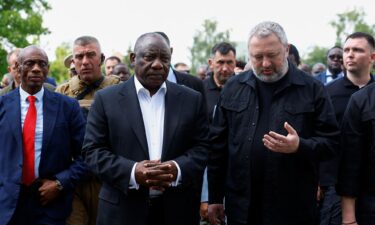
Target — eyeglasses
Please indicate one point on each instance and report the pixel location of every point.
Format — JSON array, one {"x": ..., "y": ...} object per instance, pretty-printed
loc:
[{"x": 31, "y": 63}]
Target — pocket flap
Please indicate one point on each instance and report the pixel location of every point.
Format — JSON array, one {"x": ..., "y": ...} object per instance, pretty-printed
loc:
[{"x": 236, "y": 106}]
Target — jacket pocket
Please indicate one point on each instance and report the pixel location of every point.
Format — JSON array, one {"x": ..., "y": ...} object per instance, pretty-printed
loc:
[
  {"x": 237, "y": 117},
  {"x": 110, "y": 195},
  {"x": 300, "y": 117},
  {"x": 236, "y": 106}
]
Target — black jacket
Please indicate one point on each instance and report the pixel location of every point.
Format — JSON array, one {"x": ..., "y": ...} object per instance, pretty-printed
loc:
[
  {"x": 357, "y": 165},
  {"x": 340, "y": 91},
  {"x": 190, "y": 81},
  {"x": 212, "y": 94},
  {"x": 291, "y": 179}
]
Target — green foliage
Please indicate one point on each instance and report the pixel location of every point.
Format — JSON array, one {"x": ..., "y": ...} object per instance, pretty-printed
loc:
[
  {"x": 317, "y": 54},
  {"x": 346, "y": 23},
  {"x": 20, "y": 25},
  {"x": 57, "y": 68},
  {"x": 349, "y": 22},
  {"x": 204, "y": 40}
]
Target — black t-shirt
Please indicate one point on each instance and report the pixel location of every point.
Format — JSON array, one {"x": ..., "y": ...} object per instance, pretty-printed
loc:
[{"x": 258, "y": 151}]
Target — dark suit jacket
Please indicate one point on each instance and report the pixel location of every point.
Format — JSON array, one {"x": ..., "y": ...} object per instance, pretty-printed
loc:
[
  {"x": 63, "y": 131},
  {"x": 115, "y": 140},
  {"x": 190, "y": 81},
  {"x": 323, "y": 77}
]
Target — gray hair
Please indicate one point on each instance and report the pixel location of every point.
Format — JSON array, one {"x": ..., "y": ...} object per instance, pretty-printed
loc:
[
  {"x": 266, "y": 28},
  {"x": 86, "y": 40},
  {"x": 15, "y": 52}
]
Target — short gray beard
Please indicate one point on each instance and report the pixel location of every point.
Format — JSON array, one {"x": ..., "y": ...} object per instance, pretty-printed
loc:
[{"x": 275, "y": 76}]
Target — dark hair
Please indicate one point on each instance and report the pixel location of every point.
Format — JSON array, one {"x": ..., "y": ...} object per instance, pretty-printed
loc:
[
  {"x": 223, "y": 48},
  {"x": 334, "y": 47},
  {"x": 113, "y": 58},
  {"x": 369, "y": 38},
  {"x": 293, "y": 51},
  {"x": 23, "y": 51},
  {"x": 241, "y": 64}
]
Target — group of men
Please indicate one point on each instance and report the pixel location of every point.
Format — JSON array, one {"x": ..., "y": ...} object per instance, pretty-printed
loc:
[{"x": 135, "y": 152}]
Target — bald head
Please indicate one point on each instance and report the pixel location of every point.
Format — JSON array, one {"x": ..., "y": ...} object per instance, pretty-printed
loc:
[
  {"x": 151, "y": 59},
  {"x": 143, "y": 39},
  {"x": 33, "y": 68},
  {"x": 27, "y": 51}
]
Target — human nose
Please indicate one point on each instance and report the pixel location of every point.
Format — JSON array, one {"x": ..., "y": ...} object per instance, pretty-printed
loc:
[
  {"x": 157, "y": 64},
  {"x": 266, "y": 62},
  {"x": 36, "y": 68},
  {"x": 85, "y": 60},
  {"x": 224, "y": 67},
  {"x": 349, "y": 53}
]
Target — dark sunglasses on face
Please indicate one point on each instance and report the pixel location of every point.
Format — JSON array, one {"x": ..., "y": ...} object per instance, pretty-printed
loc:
[{"x": 332, "y": 57}]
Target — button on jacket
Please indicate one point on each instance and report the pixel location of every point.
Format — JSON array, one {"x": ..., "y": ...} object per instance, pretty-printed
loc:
[{"x": 291, "y": 180}]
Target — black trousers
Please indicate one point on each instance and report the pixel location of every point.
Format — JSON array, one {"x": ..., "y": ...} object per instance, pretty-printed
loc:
[
  {"x": 156, "y": 212},
  {"x": 365, "y": 209}
]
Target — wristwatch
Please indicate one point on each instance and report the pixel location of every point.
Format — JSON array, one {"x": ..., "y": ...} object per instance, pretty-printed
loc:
[{"x": 58, "y": 185}]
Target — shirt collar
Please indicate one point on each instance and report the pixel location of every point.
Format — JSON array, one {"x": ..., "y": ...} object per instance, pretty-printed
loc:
[
  {"x": 348, "y": 83},
  {"x": 139, "y": 87},
  {"x": 38, "y": 95},
  {"x": 171, "y": 76},
  {"x": 329, "y": 74}
]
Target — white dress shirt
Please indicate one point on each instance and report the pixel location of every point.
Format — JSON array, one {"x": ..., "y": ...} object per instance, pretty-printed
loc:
[
  {"x": 329, "y": 77},
  {"x": 171, "y": 76},
  {"x": 153, "y": 111},
  {"x": 39, "y": 122}
]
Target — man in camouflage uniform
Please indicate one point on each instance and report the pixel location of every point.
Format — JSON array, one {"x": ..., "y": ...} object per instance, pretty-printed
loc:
[{"x": 87, "y": 59}]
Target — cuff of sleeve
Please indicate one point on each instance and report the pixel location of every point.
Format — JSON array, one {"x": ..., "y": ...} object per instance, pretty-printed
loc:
[
  {"x": 306, "y": 151},
  {"x": 133, "y": 183},
  {"x": 204, "y": 194},
  {"x": 178, "y": 180}
]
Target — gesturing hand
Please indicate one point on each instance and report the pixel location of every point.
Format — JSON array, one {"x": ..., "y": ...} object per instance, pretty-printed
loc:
[{"x": 280, "y": 143}]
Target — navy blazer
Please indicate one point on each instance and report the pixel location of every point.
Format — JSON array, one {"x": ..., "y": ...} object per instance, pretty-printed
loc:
[
  {"x": 63, "y": 131},
  {"x": 115, "y": 140},
  {"x": 322, "y": 77}
]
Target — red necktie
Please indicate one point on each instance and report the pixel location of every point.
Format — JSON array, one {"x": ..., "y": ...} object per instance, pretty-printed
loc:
[{"x": 28, "y": 138}]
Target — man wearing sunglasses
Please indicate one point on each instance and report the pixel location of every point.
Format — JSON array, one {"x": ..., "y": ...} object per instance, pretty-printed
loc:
[{"x": 334, "y": 66}]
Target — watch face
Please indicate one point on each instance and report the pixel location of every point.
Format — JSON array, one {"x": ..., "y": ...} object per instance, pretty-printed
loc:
[{"x": 58, "y": 185}]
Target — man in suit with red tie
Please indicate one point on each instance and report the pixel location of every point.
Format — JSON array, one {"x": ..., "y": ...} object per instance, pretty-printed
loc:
[{"x": 41, "y": 138}]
